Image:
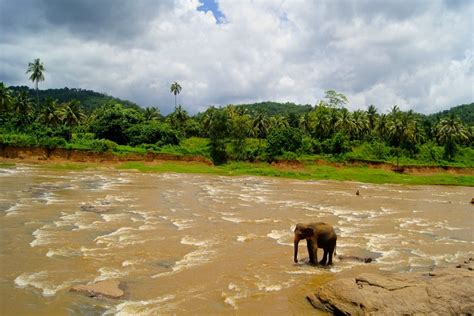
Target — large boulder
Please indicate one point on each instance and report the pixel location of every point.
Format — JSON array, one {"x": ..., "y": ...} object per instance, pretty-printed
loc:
[
  {"x": 108, "y": 288},
  {"x": 443, "y": 291}
]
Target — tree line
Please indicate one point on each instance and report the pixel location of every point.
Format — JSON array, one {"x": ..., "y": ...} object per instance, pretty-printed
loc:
[{"x": 234, "y": 132}]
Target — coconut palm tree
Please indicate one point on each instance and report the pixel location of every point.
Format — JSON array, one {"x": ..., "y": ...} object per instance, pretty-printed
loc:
[
  {"x": 450, "y": 130},
  {"x": 345, "y": 122},
  {"x": 5, "y": 98},
  {"x": 260, "y": 125},
  {"x": 304, "y": 123},
  {"x": 320, "y": 121},
  {"x": 361, "y": 124},
  {"x": 23, "y": 108},
  {"x": 372, "y": 116},
  {"x": 279, "y": 121},
  {"x": 382, "y": 127},
  {"x": 36, "y": 68},
  {"x": 49, "y": 113},
  {"x": 175, "y": 89},
  {"x": 71, "y": 113},
  {"x": 151, "y": 114}
]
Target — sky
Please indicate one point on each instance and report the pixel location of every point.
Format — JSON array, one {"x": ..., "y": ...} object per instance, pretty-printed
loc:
[{"x": 417, "y": 54}]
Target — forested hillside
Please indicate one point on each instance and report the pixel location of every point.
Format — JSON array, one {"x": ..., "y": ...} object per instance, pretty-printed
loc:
[
  {"x": 274, "y": 108},
  {"x": 90, "y": 100},
  {"x": 267, "y": 131},
  {"x": 465, "y": 112}
]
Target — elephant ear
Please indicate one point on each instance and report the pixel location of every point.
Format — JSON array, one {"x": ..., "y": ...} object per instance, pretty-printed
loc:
[{"x": 309, "y": 232}]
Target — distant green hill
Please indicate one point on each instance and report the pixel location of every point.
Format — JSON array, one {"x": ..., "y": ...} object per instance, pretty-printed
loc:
[
  {"x": 90, "y": 100},
  {"x": 273, "y": 108},
  {"x": 465, "y": 112}
]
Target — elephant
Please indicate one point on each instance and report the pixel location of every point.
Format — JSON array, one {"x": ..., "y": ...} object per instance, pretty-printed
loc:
[{"x": 317, "y": 235}]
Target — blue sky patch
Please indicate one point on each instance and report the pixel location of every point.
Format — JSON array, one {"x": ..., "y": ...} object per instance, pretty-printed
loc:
[{"x": 211, "y": 5}]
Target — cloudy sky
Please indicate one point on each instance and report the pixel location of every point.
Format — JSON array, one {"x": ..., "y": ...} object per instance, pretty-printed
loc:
[{"x": 414, "y": 53}]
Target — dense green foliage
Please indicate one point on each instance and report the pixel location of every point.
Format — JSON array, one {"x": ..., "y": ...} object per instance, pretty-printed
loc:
[
  {"x": 266, "y": 131},
  {"x": 274, "y": 108},
  {"x": 465, "y": 112},
  {"x": 88, "y": 99}
]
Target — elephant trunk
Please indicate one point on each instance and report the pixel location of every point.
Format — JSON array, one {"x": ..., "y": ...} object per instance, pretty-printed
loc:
[{"x": 297, "y": 240}]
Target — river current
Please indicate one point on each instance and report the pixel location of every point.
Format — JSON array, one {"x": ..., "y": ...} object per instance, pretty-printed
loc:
[{"x": 205, "y": 245}]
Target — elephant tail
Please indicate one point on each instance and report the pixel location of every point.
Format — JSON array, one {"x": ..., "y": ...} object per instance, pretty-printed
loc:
[{"x": 335, "y": 246}]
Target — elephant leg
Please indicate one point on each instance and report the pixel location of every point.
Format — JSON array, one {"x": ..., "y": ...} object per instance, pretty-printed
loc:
[
  {"x": 309, "y": 244},
  {"x": 325, "y": 257},
  {"x": 331, "y": 252}
]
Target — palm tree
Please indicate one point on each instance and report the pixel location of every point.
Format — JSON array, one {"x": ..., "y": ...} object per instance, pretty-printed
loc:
[
  {"x": 382, "y": 126},
  {"x": 260, "y": 125},
  {"x": 175, "y": 89},
  {"x": 304, "y": 123},
  {"x": 319, "y": 121},
  {"x": 450, "y": 130},
  {"x": 71, "y": 113},
  {"x": 5, "y": 98},
  {"x": 361, "y": 124},
  {"x": 151, "y": 114},
  {"x": 372, "y": 115},
  {"x": 279, "y": 121},
  {"x": 22, "y": 106},
  {"x": 345, "y": 122},
  {"x": 36, "y": 68},
  {"x": 50, "y": 114}
]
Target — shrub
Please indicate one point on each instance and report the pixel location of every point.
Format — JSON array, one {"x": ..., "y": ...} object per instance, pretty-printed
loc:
[
  {"x": 152, "y": 133},
  {"x": 340, "y": 144},
  {"x": 18, "y": 140},
  {"x": 52, "y": 142},
  {"x": 284, "y": 139},
  {"x": 102, "y": 145},
  {"x": 429, "y": 152}
]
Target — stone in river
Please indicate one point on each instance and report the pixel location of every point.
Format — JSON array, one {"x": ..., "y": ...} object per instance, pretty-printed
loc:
[
  {"x": 443, "y": 291},
  {"x": 108, "y": 288}
]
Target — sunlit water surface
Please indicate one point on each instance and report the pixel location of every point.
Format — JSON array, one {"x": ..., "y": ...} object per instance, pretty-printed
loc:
[{"x": 197, "y": 244}]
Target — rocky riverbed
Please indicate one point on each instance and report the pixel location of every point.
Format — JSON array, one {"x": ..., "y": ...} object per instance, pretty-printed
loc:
[{"x": 443, "y": 291}]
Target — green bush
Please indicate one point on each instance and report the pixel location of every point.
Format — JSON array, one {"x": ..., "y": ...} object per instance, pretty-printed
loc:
[
  {"x": 52, "y": 142},
  {"x": 429, "y": 152},
  {"x": 18, "y": 140},
  {"x": 284, "y": 139},
  {"x": 152, "y": 133},
  {"x": 102, "y": 145}
]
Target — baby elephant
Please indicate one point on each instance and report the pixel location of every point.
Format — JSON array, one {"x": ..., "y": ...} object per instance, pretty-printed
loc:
[{"x": 317, "y": 235}]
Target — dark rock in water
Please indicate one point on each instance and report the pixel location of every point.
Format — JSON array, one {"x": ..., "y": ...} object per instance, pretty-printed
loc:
[
  {"x": 166, "y": 264},
  {"x": 108, "y": 288},
  {"x": 472, "y": 201},
  {"x": 94, "y": 209},
  {"x": 444, "y": 291},
  {"x": 356, "y": 258}
]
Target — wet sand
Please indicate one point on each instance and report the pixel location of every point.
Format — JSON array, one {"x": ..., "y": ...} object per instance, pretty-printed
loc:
[{"x": 206, "y": 244}]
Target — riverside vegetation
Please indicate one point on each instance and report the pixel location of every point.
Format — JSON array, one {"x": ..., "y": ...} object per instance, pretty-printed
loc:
[{"x": 243, "y": 138}]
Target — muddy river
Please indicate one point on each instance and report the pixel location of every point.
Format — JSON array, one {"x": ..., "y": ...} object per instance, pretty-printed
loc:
[{"x": 205, "y": 245}]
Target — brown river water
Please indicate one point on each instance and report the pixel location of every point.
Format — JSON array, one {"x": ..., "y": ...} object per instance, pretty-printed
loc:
[{"x": 205, "y": 245}]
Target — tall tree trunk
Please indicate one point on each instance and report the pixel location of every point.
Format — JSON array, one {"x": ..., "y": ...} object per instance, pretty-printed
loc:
[{"x": 37, "y": 97}]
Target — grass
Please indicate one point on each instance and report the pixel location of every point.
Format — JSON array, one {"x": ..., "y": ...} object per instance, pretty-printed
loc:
[
  {"x": 7, "y": 165},
  {"x": 71, "y": 166},
  {"x": 308, "y": 172},
  {"x": 175, "y": 166}
]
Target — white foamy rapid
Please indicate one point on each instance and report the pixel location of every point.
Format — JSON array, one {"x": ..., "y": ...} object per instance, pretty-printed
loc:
[
  {"x": 203, "y": 254},
  {"x": 282, "y": 236},
  {"x": 157, "y": 306},
  {"x": 39, "y": 280}
]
